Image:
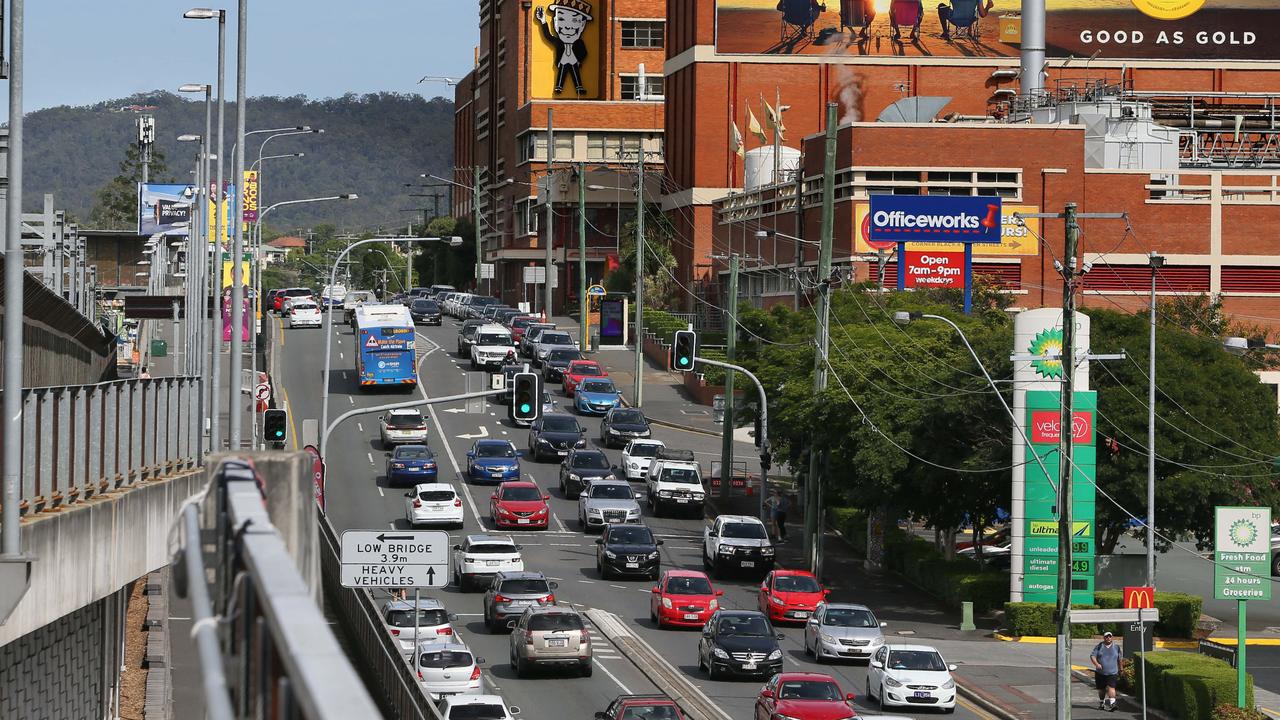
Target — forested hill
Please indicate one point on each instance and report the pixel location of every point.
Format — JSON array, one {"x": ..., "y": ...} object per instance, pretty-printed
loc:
[{"x": 372, "y": 145}]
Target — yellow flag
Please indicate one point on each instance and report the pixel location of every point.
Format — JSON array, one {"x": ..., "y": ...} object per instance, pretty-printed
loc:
[
  {"x": 775, "y": 118},
  {"x": 753, "y": 126},
  {"x": 735, "y": 139}
]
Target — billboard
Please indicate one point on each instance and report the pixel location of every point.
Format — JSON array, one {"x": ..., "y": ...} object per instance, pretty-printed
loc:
[
  {"x": 164, "y": 209},
  {"x": 250, "y": 197},
  {"x": 566, "y": 53},
  {"x": 933, "y": 218},
  {"x": 1015, "y": 238},
  {"x": 1116, "y": 29}
]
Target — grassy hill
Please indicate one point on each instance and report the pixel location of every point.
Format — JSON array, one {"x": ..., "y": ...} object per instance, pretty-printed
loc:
[{"x": 371, "y": 145}]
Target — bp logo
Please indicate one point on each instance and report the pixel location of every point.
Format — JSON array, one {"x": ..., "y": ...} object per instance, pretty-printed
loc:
[
  {"x": 1243, "y": 533},
  {"x": 1047, "y": 342}
]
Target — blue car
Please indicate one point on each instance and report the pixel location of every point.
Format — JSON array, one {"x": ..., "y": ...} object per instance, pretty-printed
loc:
[
  {"x": 493, "y": 461},
  {"x": 596, "y": 396},
  {"x": 411, "y": 465}
]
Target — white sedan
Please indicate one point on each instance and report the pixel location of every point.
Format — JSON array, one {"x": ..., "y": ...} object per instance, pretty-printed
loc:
[
  {"x": 911, "y": 675},
  {"x": 637, "y": 456},
  {"x": 456, "y": 707},
  {"x": 304, "y": 314},
  {"x": 433, "y": 504}
]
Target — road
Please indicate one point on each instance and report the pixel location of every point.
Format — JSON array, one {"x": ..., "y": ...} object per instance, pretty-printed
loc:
[{"x": 357, "y": 499}]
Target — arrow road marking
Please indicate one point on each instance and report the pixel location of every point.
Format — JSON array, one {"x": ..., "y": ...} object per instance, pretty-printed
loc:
[
  {"x": 484, "y": 433},
  {"x": 454, "y": 410}
]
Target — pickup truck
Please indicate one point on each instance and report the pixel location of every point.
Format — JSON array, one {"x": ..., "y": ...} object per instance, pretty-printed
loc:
[{"x": 674, "y": 481}]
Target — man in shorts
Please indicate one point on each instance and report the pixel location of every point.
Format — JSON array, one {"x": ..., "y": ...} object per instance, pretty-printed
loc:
[{"x": 1106, "y": 670}]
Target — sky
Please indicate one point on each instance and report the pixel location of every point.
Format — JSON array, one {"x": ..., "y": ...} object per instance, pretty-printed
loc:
[{"x": 79, "y": 52}]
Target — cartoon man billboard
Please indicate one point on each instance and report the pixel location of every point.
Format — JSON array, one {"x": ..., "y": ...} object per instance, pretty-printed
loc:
[{"x": 569, "y": 20}]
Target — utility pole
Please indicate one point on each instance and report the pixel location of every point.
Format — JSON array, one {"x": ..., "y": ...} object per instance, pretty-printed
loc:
[
  {"x": 1156, "y": 262},
  {"x": 551, "y": 220},
  {"x": 1066, "y": 439},
  {"x": 475, "y": 213},
  {"x": 235, "y": 407},
  {"x": 638, "y": 392},
  {"x": 731, "y": 333},
  {"x": 799, "y": 232},
  {"x": 146, "y": 138},
  {"x": 585, "y": 328},
  {"x": 818, "y": 456}
]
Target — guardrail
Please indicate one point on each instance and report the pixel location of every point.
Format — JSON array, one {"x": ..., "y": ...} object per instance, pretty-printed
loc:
[{"x": 81, "y": 440}]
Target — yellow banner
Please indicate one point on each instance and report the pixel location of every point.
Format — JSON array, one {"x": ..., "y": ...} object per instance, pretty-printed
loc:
[
  {"x": 250, "y": 214},
  {"x": 1015, "y": 239},
  {"x": 226, "y": 273},
  {"x": 567, "y": 53},
  {"x": 1049, "y": 528},
  {"x": 225, "y": 235}
]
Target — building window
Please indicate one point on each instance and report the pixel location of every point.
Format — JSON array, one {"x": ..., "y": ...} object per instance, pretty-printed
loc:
[
  {"x": 501, "y": 114},
  {"x": 564, "y": 146},
  {"x": 653, "y": 86},
  {"x": 502, "y": 51},
  {"x": 613, "y": 147},
  {"x": 482, "y": 124},
  {"x": 526, "y": 217},
  {"x": 642, "y": 33}
]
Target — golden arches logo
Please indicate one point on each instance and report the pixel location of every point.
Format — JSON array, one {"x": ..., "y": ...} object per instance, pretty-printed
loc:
[
  {"x": 1139, "y": 597},
  {"x": 1168, "y": 9}
]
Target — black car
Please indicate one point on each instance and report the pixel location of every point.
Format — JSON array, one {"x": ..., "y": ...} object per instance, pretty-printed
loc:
[
  {"x": 508, "y": 374},
  {"x": 628, "y": 550},
  {"x": 557, "y": 362},
  {"x": 622, "y": 425},
  {"x": 554, "y": 436},
  {"x": 466, "y": 336},
  {"x": 739, "y": 642},
  {"x": 580, "y": 468},
  {"x": 425, "y": 311}
]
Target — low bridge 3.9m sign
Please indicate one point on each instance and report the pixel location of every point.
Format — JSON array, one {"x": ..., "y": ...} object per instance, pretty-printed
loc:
[{"x": 395, "y": 558}]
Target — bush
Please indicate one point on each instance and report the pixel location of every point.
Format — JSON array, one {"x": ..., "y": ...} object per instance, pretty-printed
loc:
[
  {"x": 852, "y": 523},
  {"x": 952, "y": 581},
  {"x": 1188, "y": 685},
  {"x": 1179, "y": 612},
  {"x": 1231, "y": 712},
  {"x": 1024, "y": 619},
  {"x": 1126, "y": 683}
]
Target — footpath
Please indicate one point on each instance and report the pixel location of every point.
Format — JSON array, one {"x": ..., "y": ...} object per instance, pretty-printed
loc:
[{"x": 1008, "y": 680}]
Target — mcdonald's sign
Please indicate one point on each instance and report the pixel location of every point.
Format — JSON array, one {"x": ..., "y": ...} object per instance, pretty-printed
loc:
[{"x": 1139, "y": 597}]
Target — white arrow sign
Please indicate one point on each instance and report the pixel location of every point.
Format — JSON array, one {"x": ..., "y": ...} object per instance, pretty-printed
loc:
[
  {"x": 395, "y": 558},
  {"x": 454, "y": 410},
  {"x": 484, "y": 433}
]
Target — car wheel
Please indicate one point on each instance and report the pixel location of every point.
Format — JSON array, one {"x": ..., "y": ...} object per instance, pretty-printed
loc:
[
  {"x": 817, "y": 655},
  {"x": 701, "y": 665},
  {"x": 706, "y": 564},
  {"x": 522, "y": 667},
  {"x": 807, "y": 650},
  {"x": 653, "y": 616},
  {"x": 653, "y": 576},
  {"x": 582, "y": 523},
  {"x": 586, "y": 668},
  {"x": 711, "y": 671},
  {"x": 868, "y": 692},
  {"x": 604, "y": 571},
  {"x": 880, "y": 697}
]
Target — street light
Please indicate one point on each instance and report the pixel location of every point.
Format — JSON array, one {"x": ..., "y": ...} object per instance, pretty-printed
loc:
[
  {"x": 440, "y": 78},
  {"x": 275, "y": 157}
]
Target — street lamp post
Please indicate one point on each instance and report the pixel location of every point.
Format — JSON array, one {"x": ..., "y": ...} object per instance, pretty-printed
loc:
[
  {"x": 236, "y": 417},
  {"x": 193, "y": 291},
  {"x": 453, "y": 241},
  {"x": 1155, "y": 262},
  {"x": 206, "y": 266}
]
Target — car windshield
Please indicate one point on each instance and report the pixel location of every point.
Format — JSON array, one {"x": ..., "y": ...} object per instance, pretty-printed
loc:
[
  {"x": 611, "y": 492},
  {"x": 521, "y": 322},
  {"x": 521, "y": 493},
  {"x": 555, "y": 338},
  {"x": 492, "y": 549},
  {"x": 413, "y": 452},
  {"x": 426, "y": 617},
  {"x": 555, "y": 622},
  {"x": 650, "y": 712},
  {"x": 796, "y": 583},
  {"x": 493, "y": 339},
  {"x": 631, "y": 535},
  {"x": 599, "y": 386},
  {"x": 925, "y": 660},
  {"x": 750, "y": 531},
  {"x": 562, "y": 423},
  {"x": 436, "y": 495},
  {"x": 425, "y": 305},
  {"x": 477, "y": 712},
  {"x": 495, "y": 450},
  {"x": 643, "y": 450},
  {"x": 744, "y": 625},
  {"x": 688, "y": 586},
  {"x": 846, "y": 617},
  {"x": 682, "y": 475},
  {"x": 405, "y": 420},
  {"x": 809, "y": 690},
  {"x": 590, "y": 461},
  {"x": 524, "y": 586},
  {"x": 587, "y": 370},
  {"x": 563, "y": 356},
  {"x": 631, "y": 417}
]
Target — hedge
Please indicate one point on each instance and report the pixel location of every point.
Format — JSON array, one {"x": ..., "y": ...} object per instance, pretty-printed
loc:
[
  {"x": 1179, "y": 612},
  {"x": 852, "y": 524},
  {"x": 1024, "y": 619},
  {"x": 952, "y": 581},
  {"x": 1188, "y": 685}
]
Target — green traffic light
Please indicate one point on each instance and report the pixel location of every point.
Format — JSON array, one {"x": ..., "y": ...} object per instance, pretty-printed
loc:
[
  {"x": 684, "y": 361},
  {"x": 524, "y": 407}
]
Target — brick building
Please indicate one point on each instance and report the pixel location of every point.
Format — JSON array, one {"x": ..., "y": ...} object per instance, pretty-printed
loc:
[{"x": 601, "y": 121}]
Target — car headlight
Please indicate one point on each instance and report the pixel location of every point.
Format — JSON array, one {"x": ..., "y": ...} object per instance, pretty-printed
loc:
[
  {"x": 713, "y": 604},
  {"x": 653, "y": 555},
  {"x": 543, "y": 441},
  {"x": 725, "y": 550},
  {"x": 891, "y": 682},
  {"x": 720, "y": 653},
  {"x": 776, "y": 600},
  {"x": 831, "y": 640},
  {"x": 503, "y": 511},
  {"x": 698, "y": 496},
  {"x": 574, "y": 477},
  {"x": 610, "y": 554},
  {"x": 948, "y": 685},
  {"x": 541, "y": 512},
  {"x": 593, "y": 511},
  {"x": 580, "y": 443},
  {"x": 776, "y": 654},
  {"x": 635, "y": 466},
  {"x": 666, "y": 603},
  {"x": 664, "y": 493},
  {"x": 766, "y": 551}
]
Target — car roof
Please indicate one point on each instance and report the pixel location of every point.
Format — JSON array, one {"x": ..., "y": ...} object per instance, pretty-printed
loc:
[
  {"x": 587, "y": 451},
  {"x": 647, "y": 441},
  {"x": 584, "y": 362},
  {"x": 521, "y": 575},
  {"x": 494, "y": 327},
  {"x": 602, "y": 481},
  {"x": 793, "y": 573},
  {"x": 495, "y": 441},
  {"x": 742, "y": 518},
  {"x": 483, "y": 538},
  {"x": 405, "y": 411},
  {"x": 435, "y": 645},
  {"x": 518, "y": 484},
  {"x": 551, "y": 610},
  {"x": 558, "y": 415},
  {"x": 783, "y": 677},
  {"x": 847, "y": 606},
  {"x": 438, "y": 487},
  {"x": 423, "y": 604},
  {"x": 415, "y": 446},
  {"x": 682, "y": 572},
  {"x": 920, "y": 648},
  {"x": 741, "y": 613},
  {"x": 456, "y": 700}
]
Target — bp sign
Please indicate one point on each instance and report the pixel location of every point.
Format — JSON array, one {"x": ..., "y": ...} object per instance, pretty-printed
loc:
[{"x": 1242, "y": 553}]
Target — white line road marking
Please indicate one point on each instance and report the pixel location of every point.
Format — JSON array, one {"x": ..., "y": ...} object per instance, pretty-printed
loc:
[
  {"x": 587, "y": 582},
  {"x": 572, "y": 545},
  {"x": 370, "y": 456},
  {"x": 345, "y": 376},
  {"x": 619, "y": 587},
  {"x": 616, "y": 681},
  {"x": 504, "y": 432},
  {"x": 359, "y": 427},
  {"x": 435, "y": 418},
  {"x": 381, "y": 493},
  {"x": 351, "y": 399},
  {"x": 341, "y": 356}
]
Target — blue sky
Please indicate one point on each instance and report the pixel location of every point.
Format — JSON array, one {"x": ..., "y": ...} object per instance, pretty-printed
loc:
[{"x": 79, "y": 52}]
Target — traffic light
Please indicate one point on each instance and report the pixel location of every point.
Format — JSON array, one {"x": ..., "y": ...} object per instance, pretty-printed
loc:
[
  {"x": 684, "y": 350},
  {"x": 526, "y": 397},
  {"x": 275, "y": 425}
]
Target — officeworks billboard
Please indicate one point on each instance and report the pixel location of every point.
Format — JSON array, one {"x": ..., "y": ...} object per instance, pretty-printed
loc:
[{"x": 935, "y": 218}]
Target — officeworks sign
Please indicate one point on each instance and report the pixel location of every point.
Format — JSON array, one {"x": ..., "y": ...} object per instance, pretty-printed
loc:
[{"x": 935, "y": 218}]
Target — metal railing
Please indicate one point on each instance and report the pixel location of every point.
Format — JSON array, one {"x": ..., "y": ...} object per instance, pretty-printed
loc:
[{"x": 81, "y": 440}]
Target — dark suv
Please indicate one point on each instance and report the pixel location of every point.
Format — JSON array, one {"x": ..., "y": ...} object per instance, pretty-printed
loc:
[
  {"x": 554, "y": 436},
  {"x": 557, "y": 362},
  {"x": 425, "y": 311},
  {"x": 627, "y": 550},
  {"x": 512, "y": 592},
  {"x": 580, "y": 468},
  {"x": 739, "y": 642}
]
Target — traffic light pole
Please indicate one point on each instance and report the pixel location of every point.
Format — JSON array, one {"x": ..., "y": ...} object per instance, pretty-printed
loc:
[
  {"x": 766, "y": 458},
  {"x": 727, "y": 424}
]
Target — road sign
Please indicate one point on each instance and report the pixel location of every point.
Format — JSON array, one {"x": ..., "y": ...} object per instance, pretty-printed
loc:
[
  {"x": 395, "y": 558},
  {"x": 1114, "y": 615},
  {"x": 1139, "y": 597},
  {"x": 262, "y": 392},
  {"x": 596, "y": 290},
  {"x": 1242, "y": 553}
]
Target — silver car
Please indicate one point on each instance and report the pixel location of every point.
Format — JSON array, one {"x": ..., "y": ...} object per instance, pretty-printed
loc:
[
  {"x": 549, "y": 340},
  {"x": 550, "y": 636},
  {"x": 842, "y": 631},
  {"x": 605, "y": 502},
  {"x": 511, "y": 593},
  {"x": 434, "y": 623}
]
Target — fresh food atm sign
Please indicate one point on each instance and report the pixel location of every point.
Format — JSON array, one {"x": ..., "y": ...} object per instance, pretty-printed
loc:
[
  {"x": 1242, "y": 553},
  {"x": 395, "y": 558}
]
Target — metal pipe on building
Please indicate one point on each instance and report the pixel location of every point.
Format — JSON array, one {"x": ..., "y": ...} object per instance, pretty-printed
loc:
[{"x": 1032, "y": 74}]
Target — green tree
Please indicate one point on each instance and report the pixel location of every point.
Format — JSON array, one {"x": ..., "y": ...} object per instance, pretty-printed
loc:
[
  {"x": 660, "y": 288},
  {"x": 116, "y": 202},
  {"x": 439, "y": 264}
]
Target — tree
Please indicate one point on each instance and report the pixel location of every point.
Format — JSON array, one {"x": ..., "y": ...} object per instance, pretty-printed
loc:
[
  {"x": 660, "y": 288},
  {"x": 116, "y": 203},
  {"x": 439, "y": 264}
]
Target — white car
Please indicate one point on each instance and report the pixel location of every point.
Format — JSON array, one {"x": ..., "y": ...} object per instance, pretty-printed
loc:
[
  {"x": 479, "y": 557},
  {"x": 433, "y": 504},
  {"x": 491, "y": 345},
  {"x": 636, "y": 457},
  {"x": 403, "y": 426},
  {"x": 469, "y": 707},
  {"x": 911, "y": 675},
  {"x": 304, "y": 313},
  {"x": 435, "y": 624},
  {"x": 446, "y": 668}
]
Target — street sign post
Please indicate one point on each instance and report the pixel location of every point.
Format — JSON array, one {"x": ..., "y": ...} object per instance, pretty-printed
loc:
[
  {"x": 395, "y": 558},
  {"x": 1241, "y": 568}
]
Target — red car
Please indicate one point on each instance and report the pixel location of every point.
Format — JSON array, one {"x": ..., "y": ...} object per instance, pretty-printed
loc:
[
  {"x": 579, "y": 370},
  {"x": 683, "y": 598},
  {"x": 648, "y": 707},
  {"x": 519, "y": 324},
  {"x": 519, "y": 504},
  {"x": 803, "y": 696},
  {"x": 790, "y": 595}
]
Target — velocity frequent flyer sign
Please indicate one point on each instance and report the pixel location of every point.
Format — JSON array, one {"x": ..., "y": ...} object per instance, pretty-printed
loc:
[{"x": 935, "y": 218}]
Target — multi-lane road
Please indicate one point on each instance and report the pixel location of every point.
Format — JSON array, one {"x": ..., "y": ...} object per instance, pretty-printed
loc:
[{"x": 357, "y": 498}]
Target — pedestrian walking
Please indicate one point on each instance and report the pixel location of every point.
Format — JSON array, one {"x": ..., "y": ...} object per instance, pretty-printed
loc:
[
  {"x": 1106, "y": 657},
  {"x": 779, "y": 504}
]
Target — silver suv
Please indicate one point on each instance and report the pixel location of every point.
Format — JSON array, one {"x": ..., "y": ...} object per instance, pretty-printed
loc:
[
  {"x": 550, "y": 636},
  {"x": 605, "y": 502},
  {"x": 511, "y": 593}
]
